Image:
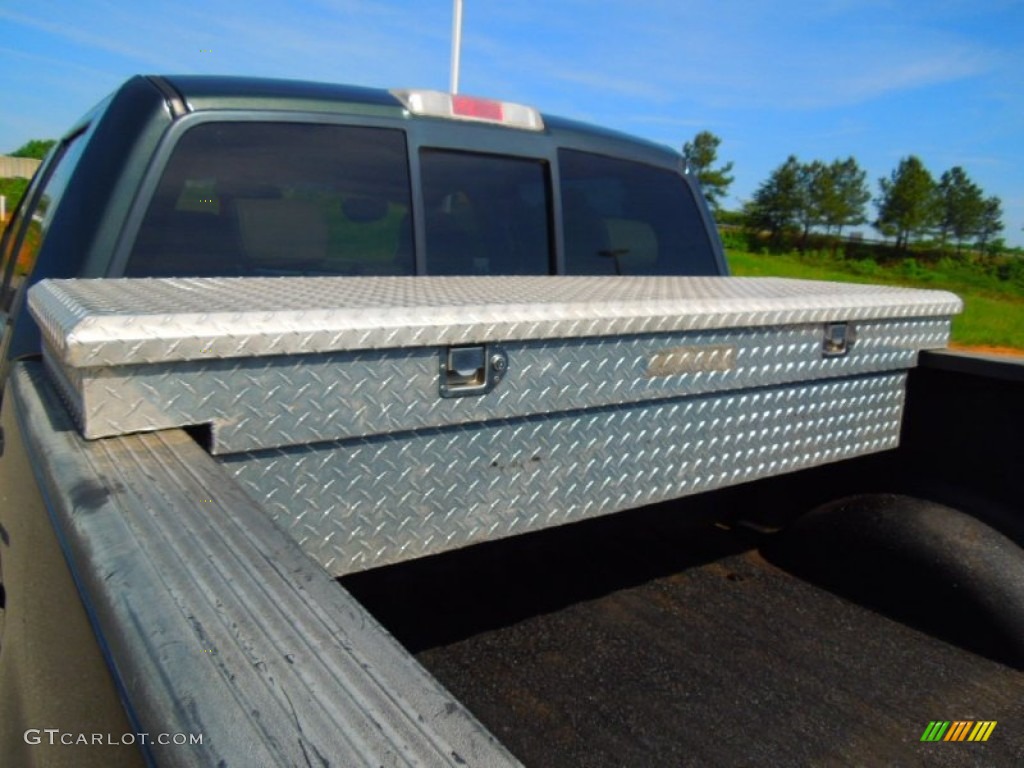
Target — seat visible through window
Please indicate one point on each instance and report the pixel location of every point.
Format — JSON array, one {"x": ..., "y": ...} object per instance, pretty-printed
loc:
[
  {"x": 282, "y": 233},
  {"x": 279, "y": 198}
]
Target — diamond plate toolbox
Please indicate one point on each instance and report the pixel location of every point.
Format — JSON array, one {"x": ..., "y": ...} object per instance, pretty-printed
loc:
[{"x": 386, "y": 418}]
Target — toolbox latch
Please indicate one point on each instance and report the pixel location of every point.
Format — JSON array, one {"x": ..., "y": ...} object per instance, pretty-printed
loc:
[
  {"x": 839, "y": 338},
  {"x": 471, "y": 370}
]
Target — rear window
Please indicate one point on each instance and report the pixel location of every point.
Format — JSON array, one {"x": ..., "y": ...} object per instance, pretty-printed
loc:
[
  {"x": 280, "y": 199},
  {"x": 625, "y": 218},
  {"x": 485, "y": 214}
]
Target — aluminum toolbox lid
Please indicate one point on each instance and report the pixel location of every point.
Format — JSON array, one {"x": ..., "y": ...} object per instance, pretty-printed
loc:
[{"x": 102, "y": 322}]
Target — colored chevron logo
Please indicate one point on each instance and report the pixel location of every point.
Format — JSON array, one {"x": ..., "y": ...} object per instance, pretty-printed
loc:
[{"x": 958, "y": 730}]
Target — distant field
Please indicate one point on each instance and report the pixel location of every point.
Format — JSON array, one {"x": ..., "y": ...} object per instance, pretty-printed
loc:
[{"x": 993, "y": 309}]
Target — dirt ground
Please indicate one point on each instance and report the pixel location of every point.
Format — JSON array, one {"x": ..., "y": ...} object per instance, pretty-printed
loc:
[{"x": 986, "y": 349}]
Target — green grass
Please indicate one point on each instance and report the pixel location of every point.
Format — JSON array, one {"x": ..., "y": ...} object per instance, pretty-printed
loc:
[
  {"x": 993, "y": 308},
  {"x": 989, "y": 321}
]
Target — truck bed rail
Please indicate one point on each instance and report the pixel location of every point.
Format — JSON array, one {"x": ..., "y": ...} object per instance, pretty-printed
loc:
[{"x": 216, "y": 623}]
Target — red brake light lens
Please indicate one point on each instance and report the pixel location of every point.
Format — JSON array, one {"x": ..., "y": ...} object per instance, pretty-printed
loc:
[
  {"x": 481, "y": 109},
  {"x": 457, "y": 107}
]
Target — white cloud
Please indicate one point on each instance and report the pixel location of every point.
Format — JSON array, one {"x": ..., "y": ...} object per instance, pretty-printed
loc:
[
  {"x": 79, "y": 34},
  {"x": 610, "y": 84}
]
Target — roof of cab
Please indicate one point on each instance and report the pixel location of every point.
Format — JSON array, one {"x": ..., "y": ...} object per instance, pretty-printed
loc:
[
  {"x": 202, "y": 92},
  {"x": 214, "y": 91}
]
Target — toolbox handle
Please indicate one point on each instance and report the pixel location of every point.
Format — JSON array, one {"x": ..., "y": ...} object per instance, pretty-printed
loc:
[
  {"x": 839, "y": 337},
  {"x": 471, "y": 370}
]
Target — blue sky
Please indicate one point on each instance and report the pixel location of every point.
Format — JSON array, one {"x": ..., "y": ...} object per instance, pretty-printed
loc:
[{"x": 943, "y": 79}]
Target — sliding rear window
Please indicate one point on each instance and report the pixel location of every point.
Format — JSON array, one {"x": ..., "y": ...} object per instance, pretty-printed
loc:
[
  {"x": 626, "y": 218},
  {"x": 241, "y": 198},
  {"x": 485, "y": 214}
]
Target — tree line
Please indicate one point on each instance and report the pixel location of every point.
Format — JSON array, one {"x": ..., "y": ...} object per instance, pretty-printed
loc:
[{"x": 800, "y": 198}]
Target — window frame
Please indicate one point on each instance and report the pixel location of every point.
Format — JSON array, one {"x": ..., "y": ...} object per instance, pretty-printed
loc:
[
  {"x": 53, "y": 162},
  {"x": 11, "y": 302},
  {"x": 16, "y": 230},
  {"x": 433, "y": 134}
]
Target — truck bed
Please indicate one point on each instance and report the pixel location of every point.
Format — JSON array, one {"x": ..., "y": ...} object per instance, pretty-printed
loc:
[
  {"x": 664, "y": 636},
  {"x": 638, "y": 641},
  {"x": 657, "y": 636}
]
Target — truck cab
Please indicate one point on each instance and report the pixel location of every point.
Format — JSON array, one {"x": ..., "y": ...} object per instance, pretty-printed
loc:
[{"x": 211, "y": 176}]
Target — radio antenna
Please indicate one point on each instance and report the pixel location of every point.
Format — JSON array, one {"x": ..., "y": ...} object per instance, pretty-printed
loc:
[{"x": 456, "y": 43}]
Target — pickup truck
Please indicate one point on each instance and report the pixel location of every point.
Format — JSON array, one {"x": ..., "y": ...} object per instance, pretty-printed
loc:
[{"x": 356, "y": 427}]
